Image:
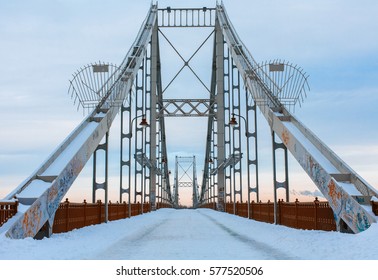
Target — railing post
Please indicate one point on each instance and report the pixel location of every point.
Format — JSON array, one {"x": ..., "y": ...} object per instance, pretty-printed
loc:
[
  {"x": 67, "y": 203},
  {"x": 296, "y": 212},
  {"x": 316, "y": 202},
  {"x": 15, "y": 207},
  {"x": 2, "y": 215},
  {"x": 251, "y": 210},
  {"x": 110, "y": 209},
  {"x": 118, "y": 206},
  {"x": 99, "y": 210},
  {"x": 268, "y": 221},
  {"x": 280, "y": 211},
  {"x": 85, "y": 212},
  {"x": 126, "y": 214},
  {"x": 260, "y": 210}
]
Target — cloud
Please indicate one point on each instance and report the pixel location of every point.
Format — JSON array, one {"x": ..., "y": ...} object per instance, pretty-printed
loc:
[{"x": 306, "y": 193}]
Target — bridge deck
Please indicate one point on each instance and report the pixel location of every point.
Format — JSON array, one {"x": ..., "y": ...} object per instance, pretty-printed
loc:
[
  {"x": 190, "y": 234},
  {"x": 201, "y": 234}
]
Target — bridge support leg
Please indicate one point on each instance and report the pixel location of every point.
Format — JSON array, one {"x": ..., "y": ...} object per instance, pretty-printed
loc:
[
  {"x": 219, "y": 50},
  {"x": 277, "y": 184},
  {"x": 153, "y": 114},
  {"x": 251, "y": 161},
  {"x": 125, "y": 109},
  {"x": 46, "y": 230},
  {"x": 104, "y": 185}
]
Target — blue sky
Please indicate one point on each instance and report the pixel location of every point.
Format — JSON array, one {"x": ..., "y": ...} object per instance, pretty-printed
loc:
[{"x": 44, "y": 42}]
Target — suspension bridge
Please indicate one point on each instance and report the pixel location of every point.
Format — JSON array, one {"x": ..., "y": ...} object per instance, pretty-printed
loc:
[{"x": 239, "y": 87}]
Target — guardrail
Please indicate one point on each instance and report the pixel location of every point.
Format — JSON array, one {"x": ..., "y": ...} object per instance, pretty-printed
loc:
[
  {"x": 71, "y": 216},
  {"x": 160, "y": 205},
  {"x": 374, "y": 205},
  {"x": 302, "y": 215},
  {"x": 7, "y": 210}
]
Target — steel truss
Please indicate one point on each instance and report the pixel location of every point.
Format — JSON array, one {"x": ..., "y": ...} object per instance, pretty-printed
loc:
[
  {"x": 42, "y": 192},
  {"x": 185, "y": 179},
  {"x": 343, "y": 187},
  {"x": 135, "y": 89}
]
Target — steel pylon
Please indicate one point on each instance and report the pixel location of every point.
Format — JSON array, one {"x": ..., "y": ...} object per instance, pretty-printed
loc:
[{"x": 238, "y": 87}]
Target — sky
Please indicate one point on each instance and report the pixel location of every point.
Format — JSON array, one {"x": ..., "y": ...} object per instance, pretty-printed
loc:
[{"x": 44, "y": 42}]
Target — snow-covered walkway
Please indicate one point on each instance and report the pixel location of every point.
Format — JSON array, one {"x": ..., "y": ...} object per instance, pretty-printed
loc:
[
  {"x": 190, "y": 234},
  {"x": 200, "y": 234}
]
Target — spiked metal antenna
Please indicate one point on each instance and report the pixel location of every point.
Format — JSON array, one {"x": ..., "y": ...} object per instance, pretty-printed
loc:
[
  {"x": 289, "y": 82},
  {"x": 90, "y": 83}
]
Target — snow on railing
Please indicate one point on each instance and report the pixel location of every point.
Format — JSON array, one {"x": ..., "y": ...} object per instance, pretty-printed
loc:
[{"x": 7, "y": 210}]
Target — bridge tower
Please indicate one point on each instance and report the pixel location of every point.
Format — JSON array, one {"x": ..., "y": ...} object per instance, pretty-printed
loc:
[
  {"x": 238, "y": 86},
  {"x": 185, "y": 177}
]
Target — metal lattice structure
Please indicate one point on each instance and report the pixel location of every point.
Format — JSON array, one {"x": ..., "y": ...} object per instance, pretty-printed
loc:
[
  {"x": 238, "y": 88},
  {"x": 90, "y": 83},
  {"x": 288, "y": 82},
  {"x": 185, "y": 177}
]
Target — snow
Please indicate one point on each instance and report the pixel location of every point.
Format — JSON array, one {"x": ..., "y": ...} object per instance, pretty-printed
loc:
[
  {"x": 69, "y": 152},
  {"x": 315, "y": 153},
  {"x": 201, "y": 234},
  {"x": 35, "y": 189},
  {"x": 350, "y": 188}
]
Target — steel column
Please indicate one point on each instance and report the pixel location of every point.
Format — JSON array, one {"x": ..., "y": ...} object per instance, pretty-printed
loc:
[
  {"x": 251, "y": 160},
  {"x": 103, "y": 185},
  {"x": 276, "y": 184},
  {"x": 236, "y": 134},
  {"x": 153, "y": 112},
  {"x": 220, "y": 114}
]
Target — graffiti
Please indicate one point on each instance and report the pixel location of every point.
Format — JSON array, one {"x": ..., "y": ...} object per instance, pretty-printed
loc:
[
  {"x": 31, "y": 220},
  {"x": 352, "y": 215},
  {"x": 285, "y": 137},
  {"x": 333, "y": 193}
]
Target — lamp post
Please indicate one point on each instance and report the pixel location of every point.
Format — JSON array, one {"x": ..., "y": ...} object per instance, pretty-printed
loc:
[
  {"x": 143, "y": 124},
  {"x": 233, "y": 122}
]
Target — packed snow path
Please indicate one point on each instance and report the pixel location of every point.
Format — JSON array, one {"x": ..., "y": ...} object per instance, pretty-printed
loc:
[
  {"x": 202, "y": 234},
  {"x": 190, "y": 234}
]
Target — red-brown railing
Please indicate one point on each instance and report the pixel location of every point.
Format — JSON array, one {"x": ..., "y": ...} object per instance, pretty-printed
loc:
[
  {"x": 374, "y": 205},
  {"x": 160, "y": 205},
  {"x": 71, "y": 216},
  {"x": 7, "y": 210},
  {"x": 302, "y": 215},
  {"x": 210, "y": 205}
]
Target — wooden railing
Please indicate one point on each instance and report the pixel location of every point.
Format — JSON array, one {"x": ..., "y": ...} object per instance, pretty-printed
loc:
[
  {"x": 302, "y": 215},
  {"x": 211, "y": 205},
  {"x": 160, "y": 205},
  {"x": 71, "y": 216},
  {"x": 7, "y": 210},
  {"x": 374, "y": 205}
]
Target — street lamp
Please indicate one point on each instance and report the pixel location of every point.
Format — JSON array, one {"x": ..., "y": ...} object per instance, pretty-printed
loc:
[
  {"x": 233, "y": 122},
  {"x": 143, "y": 124}
]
